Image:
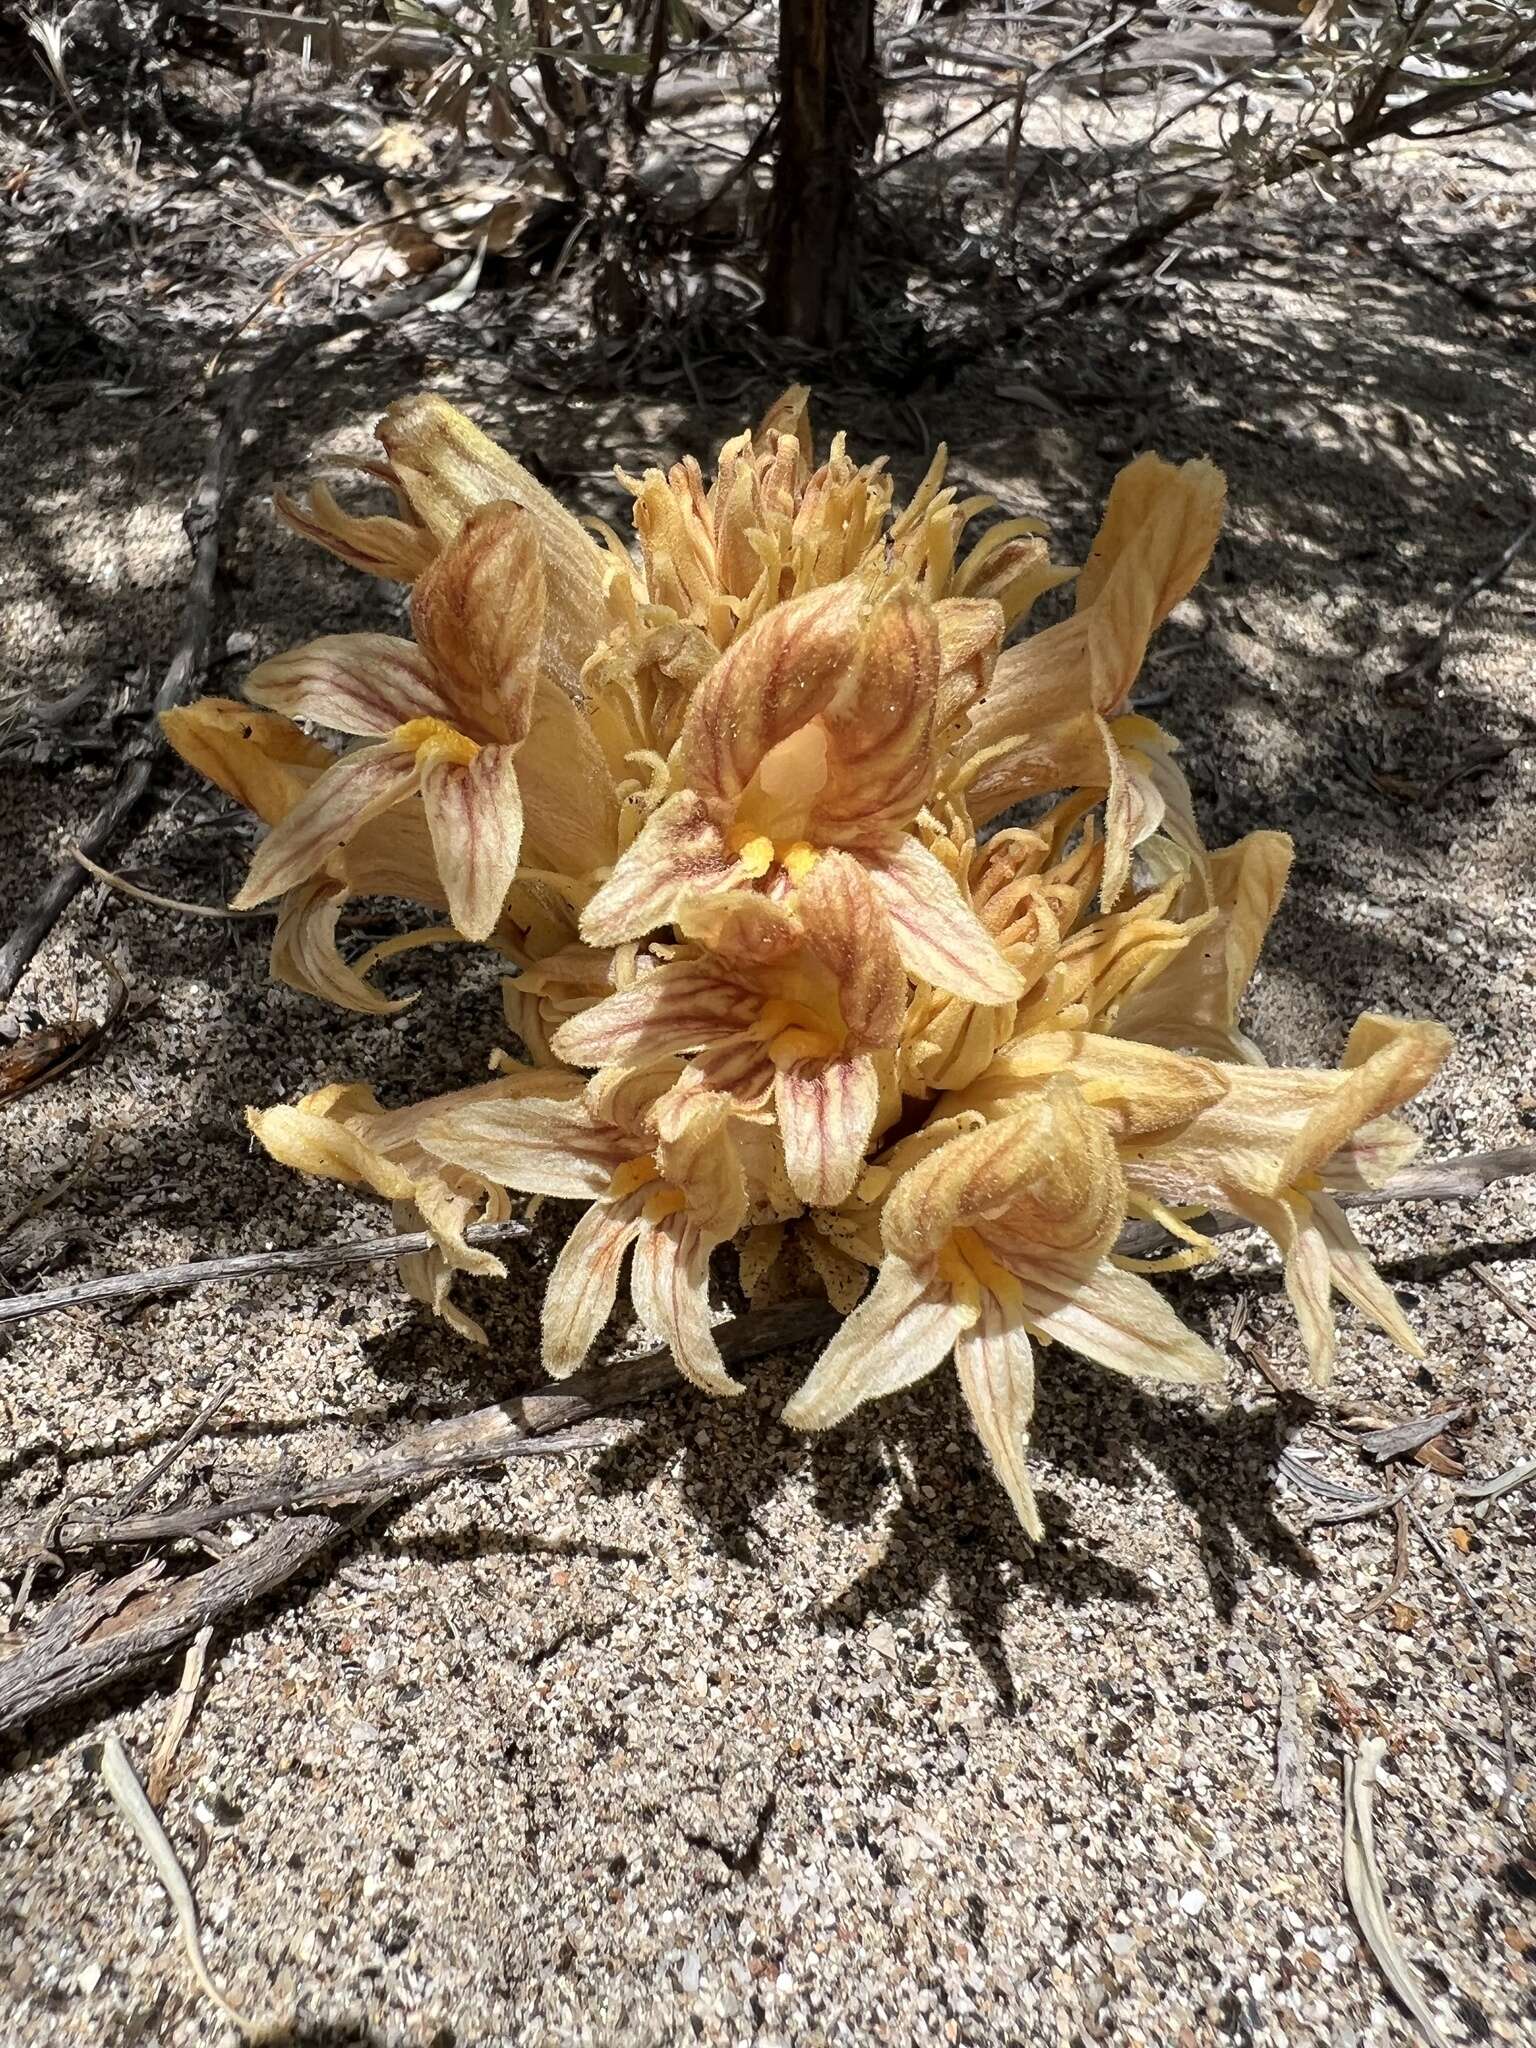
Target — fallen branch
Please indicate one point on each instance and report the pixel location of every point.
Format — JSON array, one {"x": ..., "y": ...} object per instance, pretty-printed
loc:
[
  {"x": 96, "y": 1634},
  {"x": 1445, "y": 1180},
  {"x": 241, "y": 1266},
  {"x": 202, "y": 521}
]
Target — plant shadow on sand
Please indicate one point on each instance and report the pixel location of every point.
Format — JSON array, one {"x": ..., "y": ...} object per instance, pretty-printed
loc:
[{"x": 949, "y": 1525}]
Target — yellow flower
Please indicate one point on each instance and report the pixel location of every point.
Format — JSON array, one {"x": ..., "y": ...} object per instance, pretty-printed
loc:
[
  {"x": 815, "y": 732},
  {"x": 734, "y": 807},
  {"x": 444, "y": 718},
  {"x": 1274, "y": 1143},
  {"x": 998, "y": 1236},
  {"x": 662, "y": 1175},
  {"x": 1055, "y": 713},
  {"x": 780, "y": 1009}
]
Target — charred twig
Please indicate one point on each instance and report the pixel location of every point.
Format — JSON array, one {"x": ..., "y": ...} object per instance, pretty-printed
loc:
[
  {"x": 202, "y": 520},
  {"x": 95, "y": 1635},
  {"x": 1448, "y": 1180}
]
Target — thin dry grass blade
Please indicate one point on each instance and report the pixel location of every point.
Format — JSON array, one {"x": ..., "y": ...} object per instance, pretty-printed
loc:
[
  {"x": 122, "y": 1782},
  {"x": 1362, "y": 1882}
]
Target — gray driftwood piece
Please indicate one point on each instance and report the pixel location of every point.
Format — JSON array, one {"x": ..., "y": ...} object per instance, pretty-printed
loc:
[{"x": 97, "y": 1633}]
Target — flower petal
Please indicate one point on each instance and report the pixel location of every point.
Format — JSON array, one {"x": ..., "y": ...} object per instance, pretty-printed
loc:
[
  {"x": 1035, "y": 721},
  {"x": 897, "y": 1335},
  {"x": 826, "y": 1111},
  {"x": 310, "y": 1137},
  {"x": 1042, "y": 1182},
  {"x": 679, "y": 852},
  {"x": 262, "y": 761},
  {"x": 475, "y": 815},
  {"x": 940, "y": 938},
  {"x": 379, "y": 545},
  {"x": 995, "y": 1361},
  {"x": 696, "y": 1154},
  {"x": 1133, "y": 810},
  {"x": 677, "y": 1008},
  {"x": 1355, "y": 1277},
  {"x": 478, "y": 614},
  {"x": 1116, "y": 1319},
  {"x": 304, "y": 953},
  {"x": 1195, "y": 1001},
  {"x": 585, "y": 1281},
  {"x": 669, "y": 1286},
  {"x": 1159, "y": 529},
  {"x": 570, "y": 806},
  {"x": 360, "y": 786},
  {"x": 880, "y": 727},
  {"x": 849, "y": 930},
  {"x": 542, "y": 1142},
  {"x": 445, "y": 467},
  {"x": 768, "y": 684},
  {"x": 361, "y": 683}
]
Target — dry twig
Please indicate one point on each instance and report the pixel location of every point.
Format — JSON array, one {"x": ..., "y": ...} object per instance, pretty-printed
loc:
[
  {"x": 122, "y": 1781},
  {"x": 95, "y": 1635},
  {"x": 1501, "y": 1294},
  {"x": 1362, "y": 1883}
]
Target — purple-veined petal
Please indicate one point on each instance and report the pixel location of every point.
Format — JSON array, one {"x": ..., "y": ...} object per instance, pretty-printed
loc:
[
  {"x": 361, "y": 785},
  {"x": 669, "y": 1285},
  {"x": 896, "y": 1336},
  {"x": 940, "y": 938},
  {"x": 475, "y": 815},
  {"x": 679, "y": 852},
  {"x": 361, "y": 683},
  {"x": 995, "y": 1361},
  {"x": 827, "y": 1110}
]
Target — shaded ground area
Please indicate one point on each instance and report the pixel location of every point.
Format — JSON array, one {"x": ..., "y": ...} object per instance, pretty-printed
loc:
[{"x": 718, "y": 1734}]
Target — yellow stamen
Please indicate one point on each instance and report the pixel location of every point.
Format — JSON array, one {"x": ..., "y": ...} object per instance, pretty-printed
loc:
[
  {"x": 758, "y": 853},
  {"x": 437, "y": 734},
  {"x": 665, "y": 1202},
  {"x": 633, "y": 1174},
  {"x": 755, "y": 853},
  {"x": 1174, "y": 1220},
  {"x": 970, "y": 1269},
  {"x": 794, "y": 1031}
]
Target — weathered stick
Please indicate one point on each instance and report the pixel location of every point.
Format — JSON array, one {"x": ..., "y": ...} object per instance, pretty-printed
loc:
[
  {"x": 202, "y": 520},
  {"x": 1446, "y": 1180},
  {"x": 94, "y": 1634},
  {"x": 310, "y": 1258}
]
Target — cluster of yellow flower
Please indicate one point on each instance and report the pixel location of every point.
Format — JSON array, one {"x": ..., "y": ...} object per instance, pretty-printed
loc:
[{"x": 722, "y": 806}]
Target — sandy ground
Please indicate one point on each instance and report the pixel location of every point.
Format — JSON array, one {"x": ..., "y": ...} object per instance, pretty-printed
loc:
[{"x": 716, "y": 1735}]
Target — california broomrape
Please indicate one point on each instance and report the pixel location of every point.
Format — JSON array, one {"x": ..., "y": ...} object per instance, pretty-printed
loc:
[{"x": 728, "y": 807}]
